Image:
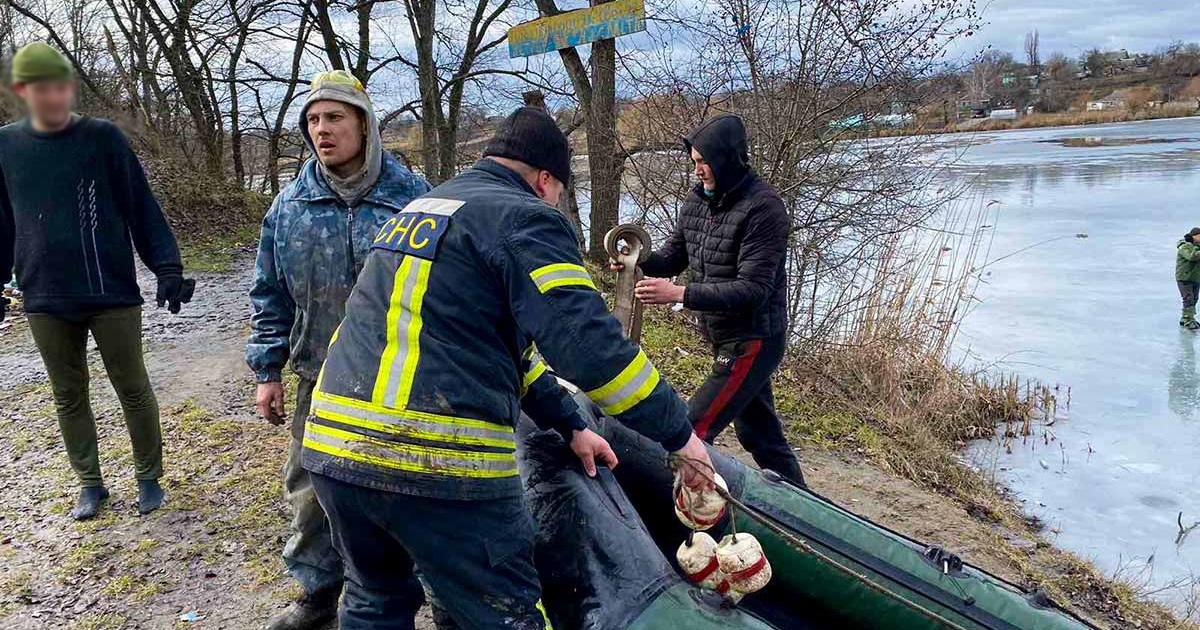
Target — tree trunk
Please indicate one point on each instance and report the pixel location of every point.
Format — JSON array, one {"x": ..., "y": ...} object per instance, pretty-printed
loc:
[
  {"x": 447, "y": 148},
  {"x": 235, "y": 136},
  {"x": 362, "y": 64},
  {"x": 422, "y": 16},
  {"x": 604, "y": 164},
  {"x": 273, "y": 151},
  {"x": 324, "y": 23}
]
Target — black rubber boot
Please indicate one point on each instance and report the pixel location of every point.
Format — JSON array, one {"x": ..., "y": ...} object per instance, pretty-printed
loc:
[
  {"x": 150, "y": 496},
  {"x": 309, "y": 612},
  {"x": 88, "y": 503}
]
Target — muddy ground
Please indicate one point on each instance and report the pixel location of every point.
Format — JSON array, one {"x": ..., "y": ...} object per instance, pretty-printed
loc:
[{"x": 214, "y": 549}]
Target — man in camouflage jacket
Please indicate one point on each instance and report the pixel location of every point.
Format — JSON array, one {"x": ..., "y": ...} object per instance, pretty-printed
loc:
[{"x": 314, "y": 241}]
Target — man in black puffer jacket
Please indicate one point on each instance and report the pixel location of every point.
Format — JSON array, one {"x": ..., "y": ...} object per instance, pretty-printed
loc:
[{"x": 731, "y": 236}]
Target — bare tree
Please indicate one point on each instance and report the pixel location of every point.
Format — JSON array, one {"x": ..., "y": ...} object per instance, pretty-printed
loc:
[
  {"x": 1032, "y": 53},
  {"x": 596, "y": 92},
  {"x": 794, "y": 70},
  {"x": 984, "y": 78},
  {"x": 450, "y": 56}
]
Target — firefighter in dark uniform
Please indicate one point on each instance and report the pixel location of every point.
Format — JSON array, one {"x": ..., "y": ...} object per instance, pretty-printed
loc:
[{"x": 411, "y": 441}]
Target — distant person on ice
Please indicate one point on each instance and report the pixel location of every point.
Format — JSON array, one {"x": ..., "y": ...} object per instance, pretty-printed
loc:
[
  {"x": 731, "y": 236},
  {"x": 74, "y": 205},
  {"x": 315, "y": 239},
  {"x": 1187, "y": 276}
]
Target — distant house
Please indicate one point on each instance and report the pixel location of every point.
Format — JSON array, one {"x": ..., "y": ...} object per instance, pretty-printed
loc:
[
  {"x": 892, "y": 120},
  {"x": 1112, "y": 101},
  {"x": 857, "y": 122},
  {"x": 1119, "y": 62},
  {"x": 1003, "y": 114},
  {"x": 974, "y": 107},
  {"x": 864, "y": 122}
]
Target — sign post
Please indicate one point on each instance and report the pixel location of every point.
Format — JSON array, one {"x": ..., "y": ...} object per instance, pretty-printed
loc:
[{"x": 575, "y": 28}]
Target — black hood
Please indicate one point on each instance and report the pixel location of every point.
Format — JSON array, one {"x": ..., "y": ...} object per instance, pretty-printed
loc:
[{"x": 722, "y": 142}]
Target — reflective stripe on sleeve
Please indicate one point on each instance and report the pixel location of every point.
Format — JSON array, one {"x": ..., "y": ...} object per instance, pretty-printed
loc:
[
  {"x": 628, "y": 388},
  {"x": 408, "y": 457},
  {"x": 561, "y": 275},
  {"x": 545, "y": 617},
  {"x": 412, "y": 424},
  {"x": 534, "y": 373},
  {"x": 398, "y": 363}
]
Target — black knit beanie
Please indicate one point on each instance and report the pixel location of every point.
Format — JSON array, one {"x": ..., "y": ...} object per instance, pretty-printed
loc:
[{"x": 531, "y": 136}]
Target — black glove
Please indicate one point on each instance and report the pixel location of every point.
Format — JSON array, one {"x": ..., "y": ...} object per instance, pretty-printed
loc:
[{"x": 174, "y": 290}]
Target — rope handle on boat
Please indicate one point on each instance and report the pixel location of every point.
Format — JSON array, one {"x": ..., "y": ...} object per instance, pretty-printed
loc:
[
  {"x": 687, "y": 499},
  {"x": 795, "y": 542}
]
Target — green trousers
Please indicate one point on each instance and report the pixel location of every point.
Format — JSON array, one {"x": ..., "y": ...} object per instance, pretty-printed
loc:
[{"x": 62, "y": 342}]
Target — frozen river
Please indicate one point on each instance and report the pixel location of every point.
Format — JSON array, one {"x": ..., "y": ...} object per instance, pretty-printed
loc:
[{"x": 1098, "y": 315}]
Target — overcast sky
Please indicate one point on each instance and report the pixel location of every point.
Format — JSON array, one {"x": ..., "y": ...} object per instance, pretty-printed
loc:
[{"x": 1073, "y": 26}]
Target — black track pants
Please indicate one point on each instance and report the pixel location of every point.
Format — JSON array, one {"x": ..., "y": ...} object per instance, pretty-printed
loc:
[{"x": 739, "y": 391}]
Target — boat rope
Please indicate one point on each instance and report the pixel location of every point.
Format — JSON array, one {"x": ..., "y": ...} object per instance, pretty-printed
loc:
[
  {"x": 799, "y": 544},
  {"x": 629, "y": 245}
]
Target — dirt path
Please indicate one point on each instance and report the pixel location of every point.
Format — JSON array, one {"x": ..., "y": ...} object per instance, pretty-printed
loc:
[{"x": 214, "y": 550}]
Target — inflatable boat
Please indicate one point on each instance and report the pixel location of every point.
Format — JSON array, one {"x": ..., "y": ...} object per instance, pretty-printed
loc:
[{"x": 605, "y": 553}]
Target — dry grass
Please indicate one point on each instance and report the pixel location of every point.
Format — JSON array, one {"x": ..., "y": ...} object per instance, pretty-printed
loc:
[{"x": 214, "y": 219}]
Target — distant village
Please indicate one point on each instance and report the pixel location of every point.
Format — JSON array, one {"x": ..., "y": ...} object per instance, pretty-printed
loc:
[{"x": 999, "y": 90}]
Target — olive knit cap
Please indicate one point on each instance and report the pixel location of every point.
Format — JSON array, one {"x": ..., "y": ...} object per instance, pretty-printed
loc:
[{"x": 39, "y": 61}]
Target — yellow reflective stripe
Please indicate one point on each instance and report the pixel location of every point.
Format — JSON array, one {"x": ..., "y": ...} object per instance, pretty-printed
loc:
[
  {"x": 410, "y": 413},
  {"x": 561, "y": 275},
  {"x": 409, "y": 373},
  {"x": 398, "y": 361},
  {"x": 545, "y": 617},
  {"x": 535, "y": 372},
  {"x": 394, "y": 313},
  {"x": 628, "y": 388},
  {"x": 567, "y": 282},
  {"x": 394, "y": 424},
  {"x": 541, "y": 272},
  {"x": 408, "y": 457}
]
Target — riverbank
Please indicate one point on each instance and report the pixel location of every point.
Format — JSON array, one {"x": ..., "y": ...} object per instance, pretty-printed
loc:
[
  {"x": 1039, "y": 120},
  {"x": 882, "y": 431},
  {"x": 214, "y": 550}
]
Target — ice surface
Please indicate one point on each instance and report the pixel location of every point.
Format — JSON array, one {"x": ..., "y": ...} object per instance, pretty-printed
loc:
[{"x": 1099, "y": 315}]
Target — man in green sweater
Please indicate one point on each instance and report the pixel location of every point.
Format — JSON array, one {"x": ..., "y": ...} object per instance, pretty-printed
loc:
[
  {"x": 1187, "y": 276},
  {"x": 74, "y": 205}
]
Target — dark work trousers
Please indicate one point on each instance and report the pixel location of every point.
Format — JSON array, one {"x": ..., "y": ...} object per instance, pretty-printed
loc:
[
  {"x": 62, "y": 342},
  {"x": 476, "y": 555},
  {"x": 309, "y": 554},
  {"x": 1188, "y": 291},
  {"x": 739, "y": 391}
]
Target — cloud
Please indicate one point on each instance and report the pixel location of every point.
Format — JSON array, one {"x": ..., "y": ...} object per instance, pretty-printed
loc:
[{"x": 1074, "y": 26}]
